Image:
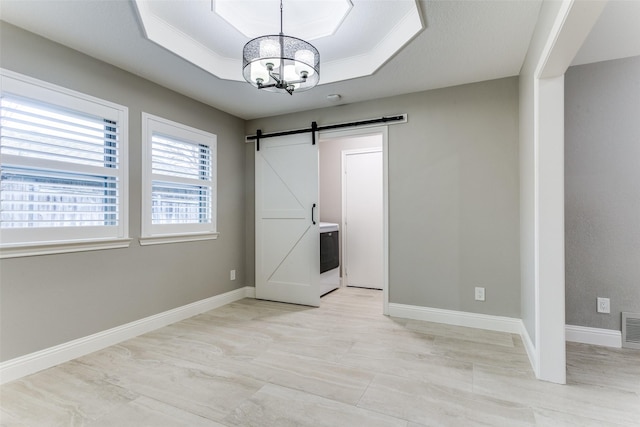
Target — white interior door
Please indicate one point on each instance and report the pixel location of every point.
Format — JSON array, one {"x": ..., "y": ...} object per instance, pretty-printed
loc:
[
  {"x": 362, "y": 204},
  {"x": 287, "y": 233}
]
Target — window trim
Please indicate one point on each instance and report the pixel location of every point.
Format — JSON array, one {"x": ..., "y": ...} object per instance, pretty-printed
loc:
[
  {"x": 155, "y": 235},
  {"x": 62, "y": 247},
  {"x": 74, "y": 240}
]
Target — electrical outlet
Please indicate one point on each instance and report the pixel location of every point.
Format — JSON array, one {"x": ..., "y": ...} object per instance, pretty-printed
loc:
[
  {"x": 479, "y": 294},
  {"x": 232, "y": 275},
  {"x": 604, "y": 305}
]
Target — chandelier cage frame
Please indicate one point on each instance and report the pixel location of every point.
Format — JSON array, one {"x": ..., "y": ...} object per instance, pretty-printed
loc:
[{"x": 280, "y": 62}]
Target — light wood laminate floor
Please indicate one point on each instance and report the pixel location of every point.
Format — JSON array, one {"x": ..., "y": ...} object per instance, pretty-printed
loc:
[{"x": 259, "y": 363}]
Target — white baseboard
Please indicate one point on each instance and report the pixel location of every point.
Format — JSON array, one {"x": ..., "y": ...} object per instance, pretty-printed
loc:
[
  {"x": 43, "y": 359},
  {"x": 471, "y": 320},
  {"x": 457, "y": 318},
  {"x": 531, "y": 349},
  {"x": 249, "y": 291},
  {"x": 595, "y": 336}
]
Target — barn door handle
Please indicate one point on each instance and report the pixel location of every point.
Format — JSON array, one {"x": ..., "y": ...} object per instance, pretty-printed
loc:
[{"x": 312, "y": 209}]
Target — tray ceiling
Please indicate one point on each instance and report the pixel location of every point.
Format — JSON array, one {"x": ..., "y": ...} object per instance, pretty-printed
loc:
[
  {"x": 462, "y": 41},
  {"x": 354, "y": 38}
]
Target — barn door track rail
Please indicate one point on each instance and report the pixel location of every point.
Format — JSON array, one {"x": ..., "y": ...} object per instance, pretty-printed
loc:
[{"x": 315, "y": 128}]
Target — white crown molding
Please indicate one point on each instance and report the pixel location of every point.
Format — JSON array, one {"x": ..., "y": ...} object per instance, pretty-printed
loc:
[
  {"x": 178, "y": 42},
  {"x": 31, "y": 363},
  {"x": 313, "y": 18},
  {"x": 365, "y": 64}
]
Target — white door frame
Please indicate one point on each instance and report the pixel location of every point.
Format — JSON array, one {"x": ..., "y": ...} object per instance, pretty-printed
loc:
[
  {"x": 344, "y": 228},
  {"x": 384, "y": 132},
  {"x": 571, "y": 26}
]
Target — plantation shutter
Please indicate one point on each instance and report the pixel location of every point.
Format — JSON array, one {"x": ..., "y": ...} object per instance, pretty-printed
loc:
[
  {"x": 181, "y": 188},
  {"x": 59, "y": 166}
]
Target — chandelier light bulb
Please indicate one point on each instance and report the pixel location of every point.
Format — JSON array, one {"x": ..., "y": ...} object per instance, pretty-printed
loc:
[
  {"x": 270, "y": 51},
  {"x": 290, "y": 75},
  {"x": 258, "y": 71},
  {"x": 303, "y": 59}
]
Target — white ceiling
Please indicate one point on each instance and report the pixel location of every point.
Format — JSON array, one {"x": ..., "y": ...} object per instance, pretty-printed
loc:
[
  {"x": 375, "y": 31},
  {"x": 463, "y": 41},
  {"x": 615, "y": 35},
  {"x": 307, "y": 19}
]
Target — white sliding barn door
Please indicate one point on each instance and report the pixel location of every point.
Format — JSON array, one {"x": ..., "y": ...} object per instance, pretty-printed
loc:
[
  {"x": 287, "y": 240},
  {"x": 362, "y": 206}
]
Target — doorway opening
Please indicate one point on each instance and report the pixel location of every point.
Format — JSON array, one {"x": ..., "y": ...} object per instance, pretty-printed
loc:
[{"x": 353, "y": 176}]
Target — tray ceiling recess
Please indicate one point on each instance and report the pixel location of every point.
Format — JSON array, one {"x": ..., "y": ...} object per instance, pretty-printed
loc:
[{"x": 354, "y": 37}]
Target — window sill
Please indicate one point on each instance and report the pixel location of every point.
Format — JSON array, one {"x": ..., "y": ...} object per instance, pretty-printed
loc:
[
  {"x": 61, "y": 247},
  {"x": 177, "y": 238}
]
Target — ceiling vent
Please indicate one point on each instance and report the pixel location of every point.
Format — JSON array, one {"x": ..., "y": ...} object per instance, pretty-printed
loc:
[{"x": 631, "y": 330}]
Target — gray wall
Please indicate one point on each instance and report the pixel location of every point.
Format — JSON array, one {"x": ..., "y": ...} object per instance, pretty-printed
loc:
[
  {"x": 602, "y": 191},
  {"x": 453, "y": 193},
  {"x": 49, "y": 300}
]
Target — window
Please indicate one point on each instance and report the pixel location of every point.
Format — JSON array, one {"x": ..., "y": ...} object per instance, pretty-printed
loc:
[
  {"x": 63, "y": 176},
  {"x": 179, "y": 182}
]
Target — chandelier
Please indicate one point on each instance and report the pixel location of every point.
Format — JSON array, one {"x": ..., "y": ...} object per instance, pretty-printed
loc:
[{"x": 279, "y": 62}]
